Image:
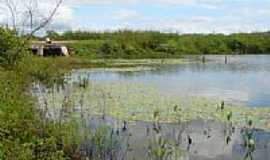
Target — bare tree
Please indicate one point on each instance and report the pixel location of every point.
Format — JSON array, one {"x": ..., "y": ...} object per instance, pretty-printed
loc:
[
  {"x": 47, "y": 20},
  {"x": 12, "y": 9},
  {"x": 23, "y": 11},
  {"x": 31, "y": 11},
  {"x": 26, "y": 13}
]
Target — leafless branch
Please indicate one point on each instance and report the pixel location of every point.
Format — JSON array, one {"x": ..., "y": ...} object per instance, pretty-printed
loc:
[
  {"x": 47, "y": 20},
  {"x": 12, "y": 9},
  {"x": 29, "y": 12}
]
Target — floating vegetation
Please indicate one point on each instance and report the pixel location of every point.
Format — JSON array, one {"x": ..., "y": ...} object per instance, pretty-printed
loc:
[
  {"x": 142, "y": 62},
  {"x": 126, "y": 69},
  {"x": 138, "y": 102}
]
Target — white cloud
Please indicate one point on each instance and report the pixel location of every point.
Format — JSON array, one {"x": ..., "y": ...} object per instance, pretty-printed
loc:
[
  {"x": 126, "y": 15},
  {"x": 210, "y": 4},
  {"x": 202, "y": 3},
  {"x": 244, "y": 17},
  {"x": 198, "y": 24},
  {"x": 226, "y": 18}
]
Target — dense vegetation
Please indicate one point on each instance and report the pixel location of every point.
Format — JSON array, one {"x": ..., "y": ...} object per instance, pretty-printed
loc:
[
  {"x": 23, "y": 133},
  {"x": 136, "y": 44},
  {"x": 26, "y": 132},
  {"x": 11, "y": 48}
]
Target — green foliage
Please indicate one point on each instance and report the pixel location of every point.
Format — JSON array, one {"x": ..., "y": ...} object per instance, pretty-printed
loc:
[
  {"x": 149, "y": 44},
  {"x": 12, "y": 48},
  {"x": 22, "y": 135},
  {"x": 40, "y": 69},
  {"x": 53, "y": 34},
  {"x": 108, "y": 49},
  {"x": 25, "y": 134},
  {"x": 90, "y": 47}
]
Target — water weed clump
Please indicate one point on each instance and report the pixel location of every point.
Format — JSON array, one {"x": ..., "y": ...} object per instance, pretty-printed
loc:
[{"x": 159, "y": 148}]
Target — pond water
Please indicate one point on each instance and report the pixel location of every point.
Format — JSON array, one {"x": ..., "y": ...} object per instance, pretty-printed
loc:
[
  {"x": 243, "y": 79},
  {"x": 112, "y": 97},
  {"x": 209, "y": 140}
]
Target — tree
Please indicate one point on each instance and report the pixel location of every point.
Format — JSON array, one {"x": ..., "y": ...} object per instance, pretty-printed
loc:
[
  {"x": 25, "y": 16},
  {"x": 12, "y": 45},
  {"x": 53, "y": 35}
]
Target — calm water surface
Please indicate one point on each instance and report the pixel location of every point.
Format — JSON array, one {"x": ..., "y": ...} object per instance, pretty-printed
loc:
[
  {"x": 245, "y": 79},
  {"x": 242, "y": 80}
]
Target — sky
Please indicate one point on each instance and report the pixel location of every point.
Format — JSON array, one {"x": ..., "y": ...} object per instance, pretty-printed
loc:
[{"x": 181, "y": 16}]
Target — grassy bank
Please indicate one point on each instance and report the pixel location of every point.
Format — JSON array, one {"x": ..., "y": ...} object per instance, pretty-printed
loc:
[
  {"x": 147, "y": 44},
  {"x": 24, "y": 133}
]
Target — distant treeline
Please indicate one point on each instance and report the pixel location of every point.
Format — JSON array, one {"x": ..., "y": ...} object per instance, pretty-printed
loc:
[{"x": 150, "y": 44}]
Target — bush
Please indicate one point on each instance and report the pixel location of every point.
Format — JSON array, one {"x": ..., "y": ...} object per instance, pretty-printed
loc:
[{"x": 12, "y": 48}]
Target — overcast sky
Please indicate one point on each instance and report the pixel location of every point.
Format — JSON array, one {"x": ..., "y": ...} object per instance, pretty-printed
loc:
[{"x": 184, "y": 16}]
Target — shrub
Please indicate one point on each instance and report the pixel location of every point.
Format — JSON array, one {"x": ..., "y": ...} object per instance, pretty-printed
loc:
[{"x": 12, "y": 48}]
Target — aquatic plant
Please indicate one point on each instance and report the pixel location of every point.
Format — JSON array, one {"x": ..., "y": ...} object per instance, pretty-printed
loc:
[
  {"x": 104, "y": 144},
  {"x": 249, "y": 142},
  {"x": 132, "y": 102},
  {"x": 159, "y": 149}
]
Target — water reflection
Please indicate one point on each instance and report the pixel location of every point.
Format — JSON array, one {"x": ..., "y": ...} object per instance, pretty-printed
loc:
[{"x": 243, "y": 80}]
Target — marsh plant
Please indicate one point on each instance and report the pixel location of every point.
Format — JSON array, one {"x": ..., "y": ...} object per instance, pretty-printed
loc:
[
  {"x": 162, "y": 149},
  {"x": 159, "y": 147},
  {"x": 249, "y": 140},
  {"x": 104, "y": 144},
  {"x": 78, "y": 139}
]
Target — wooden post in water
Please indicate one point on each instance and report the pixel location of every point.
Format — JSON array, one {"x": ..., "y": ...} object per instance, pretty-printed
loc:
[
  {"x": 203, "y": 59},
  {"x": 226, "y": 59}
]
